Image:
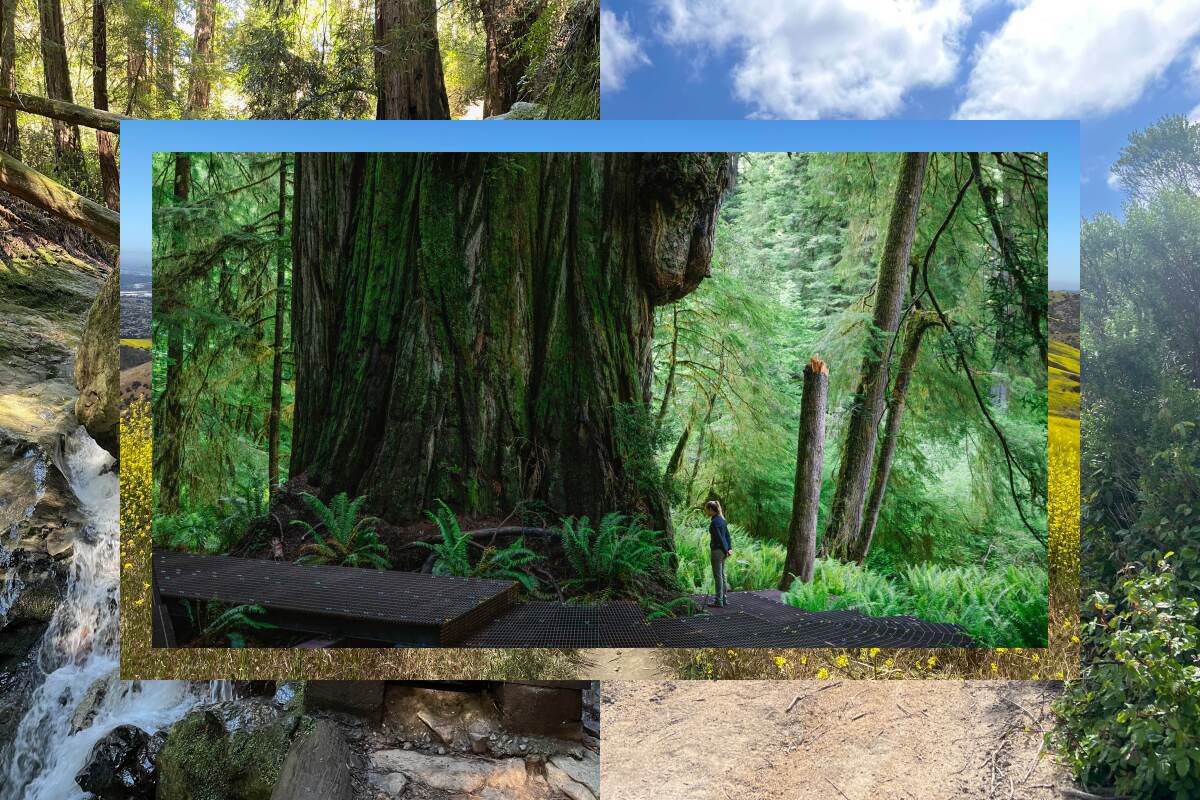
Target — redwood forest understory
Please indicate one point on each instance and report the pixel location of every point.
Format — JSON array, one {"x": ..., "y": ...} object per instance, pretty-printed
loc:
[{"x": 539, "y": 367}]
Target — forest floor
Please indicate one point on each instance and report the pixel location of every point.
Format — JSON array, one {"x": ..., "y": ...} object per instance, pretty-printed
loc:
[{"x": 738, "y": 740}]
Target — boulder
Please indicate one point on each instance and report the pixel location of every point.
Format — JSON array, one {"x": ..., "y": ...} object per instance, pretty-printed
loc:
[
  {"x": 461, "y": 720},
  {"x": 453, "y": 774},
  {"x": 317, "y": 767},
  {"x": 89, "y": 704},
  {"x": 122, "y": 765},
  {"x": 522, "y": 110},
  {"x": 97, "y": 372},
  {"x": 228, "y": 751},
  {"x": 578, "y": 779}
]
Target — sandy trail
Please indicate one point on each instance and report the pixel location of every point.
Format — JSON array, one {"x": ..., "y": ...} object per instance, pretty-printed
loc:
[
  {"x": 922, "y": 740},
  {"x": 631, "y": 664}
]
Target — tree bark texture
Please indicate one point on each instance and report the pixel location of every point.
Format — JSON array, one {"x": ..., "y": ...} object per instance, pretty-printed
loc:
[
  {"x": 917, "y": 326},
  {"x": 168, "y": 457},
  {"x": 408, "y": 61},
  {"x": 810, "y": 458},
  {"x": 277, "y": 341},
  {"x": 845, "y": 515},
  {"x": 200, "y": 83},
  {"x": 110, "y": 177},
  {"x": 506, "y": 23},
  {"x": 58, "y": 79},
  {"x": 33, "y": 187},
  {"x": 9, "y": 140},
  {"x": 469, "y": 327}
]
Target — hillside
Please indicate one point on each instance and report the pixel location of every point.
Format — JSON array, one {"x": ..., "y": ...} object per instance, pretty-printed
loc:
[{"x": 1064, "y": 317}]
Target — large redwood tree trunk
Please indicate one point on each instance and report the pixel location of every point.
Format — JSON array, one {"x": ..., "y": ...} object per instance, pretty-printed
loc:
[
  {"x": 58, "y": 81},
  {"x": 408, "y": 61},
  {"x": 845, "y": 514},
  {"x": 506, "y": 23},
  {"x": 474, "y": 328}
]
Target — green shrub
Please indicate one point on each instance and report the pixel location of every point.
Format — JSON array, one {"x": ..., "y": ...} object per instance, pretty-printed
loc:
[
  {"x": 1132, "y": 720},
  {"x": 614, "y": 557},
  {"x": 215, "y": 621},
  {"x": 755, "y": 564},
  {"x": 454, "y": 557},
  {"x": 348, "y": 541}
]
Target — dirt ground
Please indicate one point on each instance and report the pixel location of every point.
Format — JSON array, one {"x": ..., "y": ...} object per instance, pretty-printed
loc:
[
  {"x": 852, "y": 740},
  {"x": 630, "y": 664}
]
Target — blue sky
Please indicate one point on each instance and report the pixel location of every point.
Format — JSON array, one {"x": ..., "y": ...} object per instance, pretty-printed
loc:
[
  {"x": 1060, "y": 139},
  {"x": 1117, "y": 68}
]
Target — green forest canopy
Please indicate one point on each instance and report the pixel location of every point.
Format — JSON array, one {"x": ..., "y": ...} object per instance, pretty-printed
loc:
[{"x": 795, "y": 261}]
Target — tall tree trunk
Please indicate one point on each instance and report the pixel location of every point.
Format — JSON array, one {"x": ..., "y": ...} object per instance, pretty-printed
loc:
[
  {"x": 669, "y": 385},
  {"x": 10, "y": 142},
  {"x": 135, "y": 66},
  {"x": 467, "y": 327},
  {"x": 58, "y": 84},
  {"x": 917, "y": 326},
  {"x": 165, "y": 42},
  {"x": 168, "y": 432},
  {"x": 810, "y": 458},
  {"x": 408, "y": 61},
  {"x": 506, "y": 23},
  {"x": 200, "y": 82},
  {"x": 277, "y": 342},
  {"x": 703, "y": 437},
  {"x": 1032, "y": 298},
  {"x": 677, "y": 454},
  {"x": 845, "y": 514},
  {"x": 110, "y": 177}
]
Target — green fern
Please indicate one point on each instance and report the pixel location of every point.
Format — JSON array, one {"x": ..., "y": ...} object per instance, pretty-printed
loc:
[
  {"x": 617, "y": 555},
  {"x": 453, "y": 555},
  {"x": 228, "y": 622},
  {"x": 348, "y": 540}
]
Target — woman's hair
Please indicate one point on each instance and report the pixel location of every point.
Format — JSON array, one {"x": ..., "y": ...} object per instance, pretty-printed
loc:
[{"x": 715, "y": 507}]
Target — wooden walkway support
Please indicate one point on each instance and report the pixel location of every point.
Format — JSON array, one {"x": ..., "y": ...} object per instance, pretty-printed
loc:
[{"x": 346, "y": 602}]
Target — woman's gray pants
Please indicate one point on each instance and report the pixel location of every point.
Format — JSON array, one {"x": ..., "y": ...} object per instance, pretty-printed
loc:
[{"x": 718, "y": 568}]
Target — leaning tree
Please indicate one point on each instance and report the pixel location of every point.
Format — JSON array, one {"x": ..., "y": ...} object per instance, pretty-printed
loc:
[{"x": 477, "y": 328}]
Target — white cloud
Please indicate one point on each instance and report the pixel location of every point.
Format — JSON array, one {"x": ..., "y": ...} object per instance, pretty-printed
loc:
[
  {"x": 1195, "y": 115},
  {"x": 807, "y": 59},
  {"x": 1055, "y": 59},
  {"x": 1114, "y": 182},
  {"x": 620, "y": 51}
]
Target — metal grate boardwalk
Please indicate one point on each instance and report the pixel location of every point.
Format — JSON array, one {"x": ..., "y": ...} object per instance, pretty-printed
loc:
[
  {"x": 752, "y": 619},
  {"x": 387, "y": 606}
]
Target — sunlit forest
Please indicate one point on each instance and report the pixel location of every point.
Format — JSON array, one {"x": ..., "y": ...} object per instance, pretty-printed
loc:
[{"x": 848, "y": 351}]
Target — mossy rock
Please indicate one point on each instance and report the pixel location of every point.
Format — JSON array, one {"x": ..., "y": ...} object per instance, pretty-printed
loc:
[{"x": 228, "y": 751}]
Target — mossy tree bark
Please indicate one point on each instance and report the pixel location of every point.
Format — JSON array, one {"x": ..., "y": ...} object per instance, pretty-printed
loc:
[
  {"x": 810, "y": 458},
  {"x": 110, "y": 176},
  {"x": 273, "y": 417},
  {"x": 472, "y": 327},
  {"x": 921, "y": 322},
  {"x": 845, "y": 514},
  {"x": 408, "y": 61},
  {"x": 168, "y": 413}
]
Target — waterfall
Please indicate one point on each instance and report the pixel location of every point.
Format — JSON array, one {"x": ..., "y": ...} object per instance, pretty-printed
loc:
[{"x": 80, "y": 699}]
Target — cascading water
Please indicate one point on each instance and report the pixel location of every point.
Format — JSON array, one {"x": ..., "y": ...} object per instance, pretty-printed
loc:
[{"x": 80, "y": 699}]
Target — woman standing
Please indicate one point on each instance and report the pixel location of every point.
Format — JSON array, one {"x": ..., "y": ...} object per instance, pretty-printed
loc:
[{"x": 721, "y": 548}]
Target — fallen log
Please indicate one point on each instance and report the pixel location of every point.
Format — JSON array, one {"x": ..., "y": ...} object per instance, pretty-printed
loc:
[
  {"x": 62, "y": 110},
  {"x": 32, "y": 186}
]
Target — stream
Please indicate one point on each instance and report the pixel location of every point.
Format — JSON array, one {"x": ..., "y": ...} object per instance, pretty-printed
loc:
[{"x": 79, "y": 698}]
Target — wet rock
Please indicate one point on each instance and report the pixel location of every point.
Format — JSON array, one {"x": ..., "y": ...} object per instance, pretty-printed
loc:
[
  {"x": 97, "y": 369},
  {"x": 60, "y": 543},
  {"x": 317, "y": 767},
  {"x": 456, "y": 719},
  {"x": 121, "y": 765},
  {"x": 90, "y": 704},
  {"x": 233, "y": 750},
  {"x": 450, "y": 773},
  {"x": 392, "y": 783}
]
